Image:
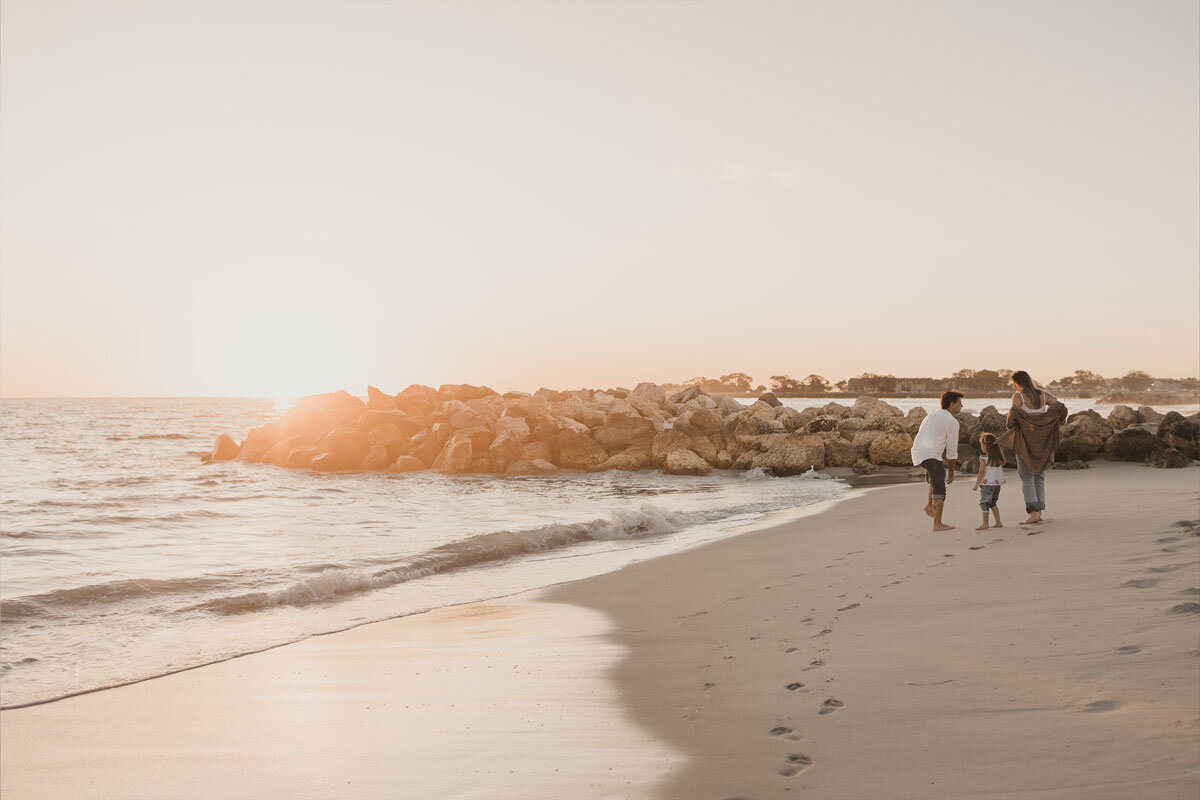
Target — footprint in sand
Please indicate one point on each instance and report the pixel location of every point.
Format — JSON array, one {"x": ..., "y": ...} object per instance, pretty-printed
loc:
[
  {"x": 797, "y": 762},
  {"x": 791, "y": 687},
  {"x": 780, "y": 730},
  {"x": 707, "y": 686},
  {"x": 1129, "y": 649},
  {"x": 822, "y": 633},
  {"x": 1186, "y": 523},
  {"x": 1186, "y": 608},
  {"x": 852, "y": 605},
  {"x": 1141, "y": 583},
  {"x": 1192, "y": 590},
  {"x": 976, "y": 547},
  {"x": 1100, "y": 706},
  {"x": 831, "y": 705},
  {"x": 791, "y": 649}
]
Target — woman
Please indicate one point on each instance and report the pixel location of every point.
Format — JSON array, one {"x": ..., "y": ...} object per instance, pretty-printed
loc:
[{"x": 1033, "y": 423}]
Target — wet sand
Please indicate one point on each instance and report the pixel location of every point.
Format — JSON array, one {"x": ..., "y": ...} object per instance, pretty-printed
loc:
[{"x": 846, "y": 654}]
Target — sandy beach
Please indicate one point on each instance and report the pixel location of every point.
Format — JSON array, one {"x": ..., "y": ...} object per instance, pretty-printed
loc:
[{"x": 850, "y": 653}]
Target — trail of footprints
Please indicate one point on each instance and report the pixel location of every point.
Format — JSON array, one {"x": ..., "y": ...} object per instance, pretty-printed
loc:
[{"x": 794, "y": 763}]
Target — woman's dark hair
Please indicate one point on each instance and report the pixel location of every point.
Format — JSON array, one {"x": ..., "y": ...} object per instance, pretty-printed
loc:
[
  {"x": 950, "y": 398},
  {"x": 1021, "y": 378},
  {"x": 990, "y": 446}
]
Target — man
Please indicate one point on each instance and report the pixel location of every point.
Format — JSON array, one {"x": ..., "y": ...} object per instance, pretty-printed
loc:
[{"x": 938, "y": 434}]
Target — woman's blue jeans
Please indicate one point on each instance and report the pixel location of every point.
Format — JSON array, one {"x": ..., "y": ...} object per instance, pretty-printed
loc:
[{"x": 1033, "y": 487}]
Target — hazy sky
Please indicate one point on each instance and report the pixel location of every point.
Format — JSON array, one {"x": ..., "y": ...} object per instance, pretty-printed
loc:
[{"x": 259, "y": 198}]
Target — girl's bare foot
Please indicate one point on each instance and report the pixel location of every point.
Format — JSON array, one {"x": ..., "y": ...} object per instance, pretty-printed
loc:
[
  {"x": 940, "y": 527},
  {"x": 983, "y": 527}
]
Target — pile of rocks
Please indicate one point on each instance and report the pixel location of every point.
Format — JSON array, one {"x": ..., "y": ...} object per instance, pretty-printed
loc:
[
  {"x": 470, "y": 429},
  {"x": 1168, "y": 440},
  {"x": 1144, "y": 435}
]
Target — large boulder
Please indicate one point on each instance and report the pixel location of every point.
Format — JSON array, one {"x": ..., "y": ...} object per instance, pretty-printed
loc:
[
  {"x": 537, "y": 451},
  {"x": 991, "y": 421},
  {"x": 681, "y": 461},
  {"x": 851, "y": 426},
  {"x": 840, "y": 452},
  {"x": 391, "y": 437},
  {"x": 506, "y": 449},
  {"x": 650, "y": 392},
  {"x": 301, "y": 457},
  {"x": 621, "y": 431},
  {"x": 1122, "y": 417},
  {"x": 868, "y": 407},
  {"x": 914, "y": 418},
  {"x": 969, "y": 427},
  {"x": 259, "y": 442},
  {"x": 1080, "y": 447},
  {"x": 379, "y": 400},
  {"x": 417, "y": 400},
  {"x": 1174, "y": 431},
  {"x": 341, "y": 449},
  {"x": 281, "y": 452},
  {"x": 1148, "y": 414},
  {"x": 892, "y": 449},
  {"x": 405, "y": 423},
  {"x": 707, "y": 420},
  {"x": 377, "y": 458},
  {"x": 634, "y": 458},
  {"x": 408, "y": 464},
  {"x": 517, "y": 426},
  {"x": 538, "y": 466},
  {"x": 1086, "y": 422},
  {"x": 689, "y": 394},
  {"x": 727, "y": 405},
  {"x": 1132, "y": 444},
  {"x": 794, "y": 454},
  {"x": 1167, "y": 458},
  {"x": 426, "y": 445},
  {"x": 835, "y": 410},
  {"x": 574, "y": 450},
  {"x": 316, "y": 415},
  {"x": 770, "y": 399},
  {"x": 225, "y": 449},
  {"x": 823, "y": 424},
  {"x": 456, "y": 456},
  {"x": 685, "y": 437}
]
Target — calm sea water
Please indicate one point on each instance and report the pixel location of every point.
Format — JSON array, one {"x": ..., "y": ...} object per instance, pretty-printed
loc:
[{"x": 124, "y": 558}]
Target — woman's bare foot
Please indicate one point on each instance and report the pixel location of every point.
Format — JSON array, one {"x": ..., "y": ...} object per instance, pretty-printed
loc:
[
  {"x": 983, "y": 527},
  {"x": 940, "y": 527},
  {"x": 997, "y": 525}
]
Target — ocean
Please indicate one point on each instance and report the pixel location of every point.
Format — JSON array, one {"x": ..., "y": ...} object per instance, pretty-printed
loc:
[{"x": 123, "y": 557}]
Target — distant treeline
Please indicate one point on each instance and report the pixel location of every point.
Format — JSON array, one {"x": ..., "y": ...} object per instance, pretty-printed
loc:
[{"x": 981, "y": 381}]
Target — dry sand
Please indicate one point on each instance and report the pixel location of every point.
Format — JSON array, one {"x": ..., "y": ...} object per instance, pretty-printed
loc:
[{"x": 849, "y": 654}]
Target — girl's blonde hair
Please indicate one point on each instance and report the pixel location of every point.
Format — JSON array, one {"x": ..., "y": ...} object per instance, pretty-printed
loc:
[{"x": 990, "y": 446}]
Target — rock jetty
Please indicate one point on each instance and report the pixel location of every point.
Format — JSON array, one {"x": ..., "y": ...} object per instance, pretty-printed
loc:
[{"x": 460, "y": 428}]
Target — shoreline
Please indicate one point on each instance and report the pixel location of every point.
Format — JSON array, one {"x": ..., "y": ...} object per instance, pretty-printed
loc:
[{"x": 967, "y": 666}]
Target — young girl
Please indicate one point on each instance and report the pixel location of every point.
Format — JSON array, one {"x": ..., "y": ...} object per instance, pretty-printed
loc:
[{"x": 990, "y": 477}]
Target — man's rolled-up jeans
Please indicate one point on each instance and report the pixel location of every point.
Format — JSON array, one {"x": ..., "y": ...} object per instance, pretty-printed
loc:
[{"x": 935, "y": 473}]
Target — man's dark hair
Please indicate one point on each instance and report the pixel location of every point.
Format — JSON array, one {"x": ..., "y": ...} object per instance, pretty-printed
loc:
[{"x": 950, "y": 398}]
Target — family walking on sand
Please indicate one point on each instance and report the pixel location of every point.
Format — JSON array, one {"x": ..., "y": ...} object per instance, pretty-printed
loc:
[{"x": 1032, "y": 432}]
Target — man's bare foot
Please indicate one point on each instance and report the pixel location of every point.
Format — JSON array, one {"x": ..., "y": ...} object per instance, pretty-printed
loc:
[
  {"x": 929, "y": 509},
  {"x": 982, "y": 527},
  {"x": 1033, "y": 520},
  {"x": 940, "y": 527}
]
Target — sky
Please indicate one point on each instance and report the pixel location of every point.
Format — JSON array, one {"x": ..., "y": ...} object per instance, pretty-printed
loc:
[{"x": 277, "y": 199}]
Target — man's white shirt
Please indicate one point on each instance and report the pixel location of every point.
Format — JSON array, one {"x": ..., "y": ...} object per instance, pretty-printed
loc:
[{"x": 938, "y": 433}]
